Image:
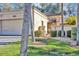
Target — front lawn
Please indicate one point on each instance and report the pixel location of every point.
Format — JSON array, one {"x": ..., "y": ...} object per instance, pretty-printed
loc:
[{"x": 53, "y": 48}]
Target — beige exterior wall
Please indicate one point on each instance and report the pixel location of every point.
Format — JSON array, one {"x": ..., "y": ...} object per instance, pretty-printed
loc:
[
  {"x": 38, "y": 18},
  {"x": 66, "y": 28},
  {"x": 12, "y": 22},
  {"x": 10, "y": 15}
]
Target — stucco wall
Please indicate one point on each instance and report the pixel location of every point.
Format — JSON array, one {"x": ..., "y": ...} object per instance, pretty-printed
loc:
[
  {"x": 38, "y": 18},
  {"x": 13, "y": 25}
]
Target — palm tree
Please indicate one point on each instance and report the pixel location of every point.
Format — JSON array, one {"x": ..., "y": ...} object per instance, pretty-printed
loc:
[
  {"x": 25, "y": 29},
  {"x": 62, "y": 21},
  {"x": 78, "y": 24}
]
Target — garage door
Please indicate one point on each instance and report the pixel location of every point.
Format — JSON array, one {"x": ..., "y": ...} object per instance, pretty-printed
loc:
[{"x": 12, "y": 27}]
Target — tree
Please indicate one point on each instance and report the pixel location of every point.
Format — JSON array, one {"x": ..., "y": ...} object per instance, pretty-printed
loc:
[
  {"x": 53, "y": 8},
  {"x": 71, "y": 20},
  {"x": 78, "y": 24},
  {"x": 25, "y": 29},
  {"x": 62, "y": 21},
  {"x": 32, "y": 23}
]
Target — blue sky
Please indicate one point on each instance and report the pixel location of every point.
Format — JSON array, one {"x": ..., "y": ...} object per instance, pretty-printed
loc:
[
  {"x": 14, "y": 6},
  {"x": 74, "y": 9}
]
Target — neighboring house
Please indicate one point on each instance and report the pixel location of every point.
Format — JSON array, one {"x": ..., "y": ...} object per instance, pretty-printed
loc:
[
  {"x": 66, "y": 28},
  {"x": 54, "y": 20},
  {"x": 54, "y": 24},
  {"x": 11, "y": 21}
]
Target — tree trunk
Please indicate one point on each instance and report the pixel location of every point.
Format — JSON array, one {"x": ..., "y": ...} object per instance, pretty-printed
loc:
[
  {"x": 62, "y": 21},
  {"x": 25, "y": 29},
  {"x": 32, "y": 26},
  {"x": 77, "y": 24}
]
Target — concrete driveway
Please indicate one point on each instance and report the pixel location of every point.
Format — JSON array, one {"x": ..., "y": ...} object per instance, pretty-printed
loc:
[{"x": 10, "y": 38}]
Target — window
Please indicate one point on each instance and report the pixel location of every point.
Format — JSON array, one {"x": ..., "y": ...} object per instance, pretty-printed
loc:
[{"x": 42, "y": 23}]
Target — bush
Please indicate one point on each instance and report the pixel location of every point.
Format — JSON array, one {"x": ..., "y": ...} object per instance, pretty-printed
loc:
[
  {"x": 42, "y": 40},
  {"x": 59, "y": 33},
  {"x": 73, "y": 33},
  {"x": 69, "y": 33},
  {"x": 53, "y": 33},
  {"x": 38, "y": 33}
]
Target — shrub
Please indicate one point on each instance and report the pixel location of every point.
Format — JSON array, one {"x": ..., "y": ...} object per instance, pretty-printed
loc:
[
  {"x": 59, "y": 33},
  {"x": 69, "y": 33},
  {"x": 42, "y": 40},
  {"x": 38, "y": 33},
  {"x": 48, "y": 31},
  {"x": 53, "y": 33},
  {"x": 73, "y": 33}
]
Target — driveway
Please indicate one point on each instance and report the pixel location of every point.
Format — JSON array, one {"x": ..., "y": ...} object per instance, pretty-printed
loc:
[{"x": 9, "y": 38}]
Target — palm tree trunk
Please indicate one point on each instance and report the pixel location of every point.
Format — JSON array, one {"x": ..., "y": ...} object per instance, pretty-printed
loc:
[
  {"x": 62, "y": 21},
  {"x": 77, "y": 24},
  {"x": 25, "y": 29}
]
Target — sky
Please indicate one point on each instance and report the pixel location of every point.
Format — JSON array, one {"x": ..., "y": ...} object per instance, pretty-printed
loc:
[
  {"x": 74, "y": 9},
  {"x": 14, "y": 6}
]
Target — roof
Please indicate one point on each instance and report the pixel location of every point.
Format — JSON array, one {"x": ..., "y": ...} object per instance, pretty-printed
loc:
[{"x": 51, "y": 14}]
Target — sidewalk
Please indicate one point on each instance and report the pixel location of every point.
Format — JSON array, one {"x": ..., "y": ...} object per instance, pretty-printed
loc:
[
  {"x": 66, "y": 39},
  {"x": 4, "y": 39}
]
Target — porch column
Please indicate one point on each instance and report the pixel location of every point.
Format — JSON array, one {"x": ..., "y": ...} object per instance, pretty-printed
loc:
[{"x": 65, "y": 33}]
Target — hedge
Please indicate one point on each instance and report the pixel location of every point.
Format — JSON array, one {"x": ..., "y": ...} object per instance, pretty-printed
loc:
[
  {"x": 74, "y": 35},
  {"x": 53, "y": 33},
  {"x": 59, "y": 33},
  {"x": 69, "y": 33},
  {"x": 38, "y": 33}
]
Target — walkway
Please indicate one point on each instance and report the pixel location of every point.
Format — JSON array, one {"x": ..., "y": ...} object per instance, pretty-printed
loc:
[
  {"x": 66, "y": 39},
  {"x": 4, "y": 39}
]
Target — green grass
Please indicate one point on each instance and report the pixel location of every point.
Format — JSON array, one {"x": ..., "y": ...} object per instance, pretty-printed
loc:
[
  {"x": 10, "y": 49},
  {"x": 53, "y": 48}
]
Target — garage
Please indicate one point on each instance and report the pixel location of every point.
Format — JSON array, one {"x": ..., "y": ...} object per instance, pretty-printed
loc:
[{"x": 12, "y": 27}]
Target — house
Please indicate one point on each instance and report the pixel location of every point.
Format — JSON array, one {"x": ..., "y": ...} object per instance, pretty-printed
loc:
[
  {"x": 54, "y": 24},
  {"x": 11, "y": 21},
  {"x": 66, "y": 29},
  {"x": 53, "y": 20}
]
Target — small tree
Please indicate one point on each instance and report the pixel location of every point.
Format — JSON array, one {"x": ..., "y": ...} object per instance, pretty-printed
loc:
[{"x": 71, "y": 20}]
